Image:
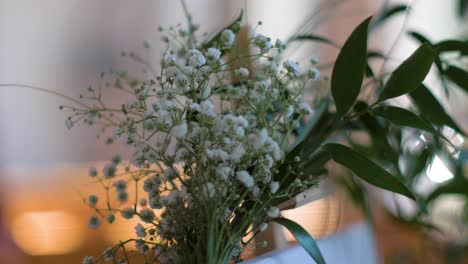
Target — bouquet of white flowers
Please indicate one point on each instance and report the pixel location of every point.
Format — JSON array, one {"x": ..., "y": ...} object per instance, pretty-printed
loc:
[{"x": 221, "y": 137}]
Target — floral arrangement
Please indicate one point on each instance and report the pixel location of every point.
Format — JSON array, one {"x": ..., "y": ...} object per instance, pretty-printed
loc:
[{"x": 222, "y": 136}]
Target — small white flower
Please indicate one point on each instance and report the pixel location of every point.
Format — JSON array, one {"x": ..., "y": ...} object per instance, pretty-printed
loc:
[
  {"x": 92, "y": 200},
  {"x": 88, "y": 260},
  {"x": 227, "y": 37},
  {"x": 140, "y": 230},
  {"x": 151, "y": 184},
  {"x": 314, "y": 60},
  {"x": 213, "y": 54},
  {"x": 313, "y": 73},
  {"x": 92, "y": 172},
  {"x": 141, "y": 245},
  {"x": 147, "y": 215},
  {"x": 223, "y": 172},
  {"x": 237, "y": 153},
  {"x": 245, "y": 178},
  {"x": 280, "y": 45},
  {"x": 289, "y": 111},
  {"x": 274, "y": 186},
  {"x": 120, "y": 185},
  {"x": 207, "y": 108},
  {"x": 263, "y": 42},
  {"x": 268, "y": 161},
  {"x": 292, "y": 67},
  {"x": 263, "y": 227},
  {"x": 196, "y": 58},
  {"x": 179, "y": 131},
  {"x": 127, "y": 213},
  {"x": 94, "y": 222},
  {"x": 122, "y": 196},
  {"x": 242, "y": 72},
  {"x": 304, "y": 109},
  {"x": 109, "y": 171},
  {"x": 171, "y": 71},
  {"x": 273, "y": 212},
  {"x": 110, "y": 218},
  {"x": 69, "y": 123}
]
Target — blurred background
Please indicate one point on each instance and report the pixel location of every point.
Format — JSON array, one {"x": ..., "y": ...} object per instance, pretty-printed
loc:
[{"x": 64, "y": 45}]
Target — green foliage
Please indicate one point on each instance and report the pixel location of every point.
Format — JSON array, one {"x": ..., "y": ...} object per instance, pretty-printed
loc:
[
  {"x": 402, "y": 117},
  {"x": 303, "y": 238},
  {"x": 234, "y": 26},
  {"x": 457, "y": 186},
  {"x": 458, "y": 76},
  {"x": 314, "y": 38},
  {"x": 387, "y": 13},
  {"x": 366, "y": 169},
  {"x": 452, "y": 45},
  {"x": 410, "y": 74},
  {"x": 431, "y": 109},
  {"x": 349, "y": 68}
]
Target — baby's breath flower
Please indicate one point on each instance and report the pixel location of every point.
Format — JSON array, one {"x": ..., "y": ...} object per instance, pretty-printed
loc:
[
  {"x": 263, "y": 42},
  {"x": 92, "y": 172},
  {"x": 110, "y": 218},
  {"x": 109, "y": 171},
  {"x": 120, "y": 185},
  {"x": 304, "y": 109},
  {"x": 245, "y": 178},
  {"x": 313, "y": 73},
  {"x": 88, "y": 260},
  {"x": 116, "y": 159},
  {"x": 274, "y": 186},
  {"x": 273, "y": 212},
  {"x": 92, "y": 200},
  {"x": 314, "y": 60},
  {"x": 227, "y": 37},
  {"x": 140, "y": 230},
  {"x": 213, "y": 54},
  {"x": 69, "y": 123},
  {"x": 196, "y": 58},
  {"x": 122, "y": 196},
  {"x": 263, "y": 227},
  {"x": 292, "y": 67},
  {"x": 179, "y": 131},
  {"x": 243, "y": 73},
  {"x": 127, "y": 213},
  {"x": 146, "y": 215},
  {"x": 94, "y": 222}
]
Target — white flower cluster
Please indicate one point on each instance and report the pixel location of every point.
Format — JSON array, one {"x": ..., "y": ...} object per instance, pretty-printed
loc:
[{"x": 207, "y": 138}]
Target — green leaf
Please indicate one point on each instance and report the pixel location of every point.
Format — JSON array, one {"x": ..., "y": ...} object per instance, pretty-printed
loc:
[
  {"x": 431, "y": 109},
  {"x": 314, "y": 38},
  {"x": 349, "y": 68},
  {"x": 303, "y": 238},
  {"x": 379, "y": 134},
  {"x": 419, "y": 37},
  {"x": 452, "y": 187},
  {"x": 366, "y": 169},
  {"x": 458, "y": 76},
  {"x": 234, "y": 26},
  {"x": 462, "y": 6},
  {"x": 410, "y": 74},
  {"x": 387, "y": 13},
  {"x": 452, "y": 45},
  {"x": 402, "y": 117}
]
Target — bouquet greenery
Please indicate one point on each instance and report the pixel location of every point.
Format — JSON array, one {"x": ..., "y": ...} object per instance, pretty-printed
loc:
[{"x": 222, "y": 136}]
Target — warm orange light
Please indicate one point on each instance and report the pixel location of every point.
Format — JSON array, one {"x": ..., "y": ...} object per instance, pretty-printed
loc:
[
  {"x": 319, "y": 218},
  {"x": 47, "y": 232}
]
